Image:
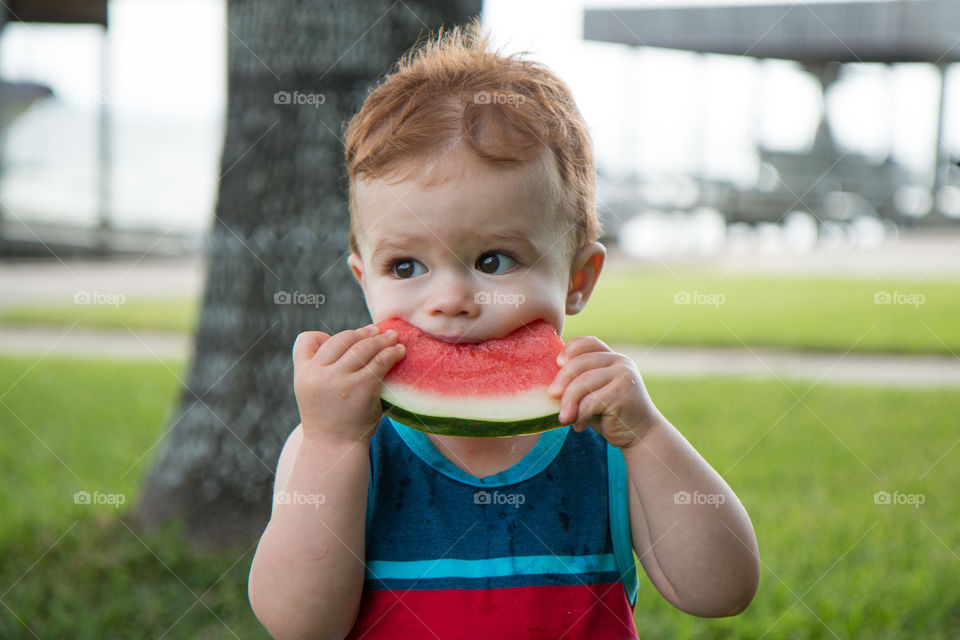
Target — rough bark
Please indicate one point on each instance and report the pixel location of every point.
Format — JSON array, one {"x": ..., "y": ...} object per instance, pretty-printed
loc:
[{"x": 281, "y": 226}]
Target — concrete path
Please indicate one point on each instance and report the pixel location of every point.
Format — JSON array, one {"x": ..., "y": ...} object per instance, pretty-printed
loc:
[
  {"x": 93, "y": 343},
  {"x": 858, "y": 368}
]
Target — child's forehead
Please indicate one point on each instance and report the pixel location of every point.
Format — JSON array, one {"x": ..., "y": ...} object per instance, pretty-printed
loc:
[
  {"x": 459, "y": 167},
  {"x": 469, "y": 197}
]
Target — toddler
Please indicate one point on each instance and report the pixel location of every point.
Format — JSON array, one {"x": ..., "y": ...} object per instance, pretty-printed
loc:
[{"x": 472, "y": 172}]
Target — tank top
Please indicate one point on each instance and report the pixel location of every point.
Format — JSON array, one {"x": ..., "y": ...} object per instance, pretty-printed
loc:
[{"x": 540, "y": 550}]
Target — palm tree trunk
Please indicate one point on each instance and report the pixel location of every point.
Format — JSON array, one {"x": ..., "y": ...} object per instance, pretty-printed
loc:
[{"x": 276, "y": 254}]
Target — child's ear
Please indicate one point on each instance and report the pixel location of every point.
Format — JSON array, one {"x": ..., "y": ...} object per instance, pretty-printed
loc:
[
  {"x": 585, "y": 271},
  {"x": 356, "y": 265}
]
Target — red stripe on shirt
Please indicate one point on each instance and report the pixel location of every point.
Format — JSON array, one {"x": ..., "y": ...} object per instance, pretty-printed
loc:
[{"x": 594, "y": 612}]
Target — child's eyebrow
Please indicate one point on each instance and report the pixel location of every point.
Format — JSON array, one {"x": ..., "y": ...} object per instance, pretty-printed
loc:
[
  {"x": 404, "y": 242},
  {"x": 394, "y": 243},
  {"x": 511, "y": 238}
]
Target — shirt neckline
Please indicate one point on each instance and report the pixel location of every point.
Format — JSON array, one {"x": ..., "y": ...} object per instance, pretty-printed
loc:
[{"x": 537, "y": 459}]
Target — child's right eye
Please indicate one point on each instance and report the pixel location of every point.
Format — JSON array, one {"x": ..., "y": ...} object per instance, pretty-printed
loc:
[{"x": 406, "y": 268}]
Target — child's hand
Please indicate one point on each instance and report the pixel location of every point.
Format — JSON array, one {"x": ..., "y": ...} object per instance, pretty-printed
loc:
[
  {"x": 594, "y": 383},
  {"x": 337, "y": 380}
]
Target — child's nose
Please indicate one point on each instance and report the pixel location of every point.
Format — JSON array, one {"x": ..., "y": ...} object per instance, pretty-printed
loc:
[{"x": 452, "y": 295}]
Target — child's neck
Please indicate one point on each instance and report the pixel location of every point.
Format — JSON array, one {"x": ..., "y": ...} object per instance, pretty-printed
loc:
[{"x": 481, "y": 457}]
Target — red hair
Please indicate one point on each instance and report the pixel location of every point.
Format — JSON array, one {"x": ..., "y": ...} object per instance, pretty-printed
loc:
[{"x": 505, "y": 109}]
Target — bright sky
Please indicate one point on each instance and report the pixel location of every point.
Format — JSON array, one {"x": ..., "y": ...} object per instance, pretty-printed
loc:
[{"x": 657, "y": 110}]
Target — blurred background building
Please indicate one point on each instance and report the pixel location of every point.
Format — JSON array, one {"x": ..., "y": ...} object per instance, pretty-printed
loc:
[
  {"x": 123, "y": 153},
  {"x": 828, "y": 190},
  {"x": 772, "y": 127}
]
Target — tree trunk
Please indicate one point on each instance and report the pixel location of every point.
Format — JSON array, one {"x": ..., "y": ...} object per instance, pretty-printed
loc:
[{"x": 276, "y": 260}]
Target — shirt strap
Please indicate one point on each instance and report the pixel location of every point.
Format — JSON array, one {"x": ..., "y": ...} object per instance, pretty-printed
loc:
[{"x": 619, "y": 507}]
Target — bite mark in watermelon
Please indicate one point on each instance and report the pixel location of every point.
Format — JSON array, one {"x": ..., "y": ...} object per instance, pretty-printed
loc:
[{"x": 494, "y": 388}]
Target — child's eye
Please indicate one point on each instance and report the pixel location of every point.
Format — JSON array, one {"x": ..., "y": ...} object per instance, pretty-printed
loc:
[
  {"x": 406, "y": 268},
  {"x": 495, "y": 262}
]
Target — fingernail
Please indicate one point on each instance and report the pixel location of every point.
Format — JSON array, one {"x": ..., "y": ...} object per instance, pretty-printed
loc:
[
  {"x": 390, "y": 332},
  {"x": 561, "y": 360},
  {"x": 554, "y": 388},
  {"x": 373, "y": 328}
]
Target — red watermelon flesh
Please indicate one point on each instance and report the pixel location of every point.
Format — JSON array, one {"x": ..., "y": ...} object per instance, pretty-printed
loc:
[{"x": 492, "y": 388}]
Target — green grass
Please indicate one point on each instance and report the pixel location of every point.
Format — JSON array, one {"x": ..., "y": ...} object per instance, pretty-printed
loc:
[
  {"x": 161, "y": 315},
  {"x": 76, "y": 571},
  {"x": 637, "y": 306},
  {"x": 801, "y": 313},
  {"x": 806, "y": 470}
]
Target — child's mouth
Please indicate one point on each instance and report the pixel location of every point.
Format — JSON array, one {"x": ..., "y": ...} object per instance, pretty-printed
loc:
[
  {"x": 463, "y": 339},
  {"x": 454, "y": 339}
]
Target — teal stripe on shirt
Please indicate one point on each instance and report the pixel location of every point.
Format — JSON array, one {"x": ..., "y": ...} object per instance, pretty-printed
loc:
[{"x": 490, "y": 567}]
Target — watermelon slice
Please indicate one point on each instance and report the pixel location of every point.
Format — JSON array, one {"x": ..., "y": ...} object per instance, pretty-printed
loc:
[{"x": 492, "y": 389}]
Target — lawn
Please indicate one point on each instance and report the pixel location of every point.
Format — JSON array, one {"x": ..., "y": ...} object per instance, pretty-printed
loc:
[
  {"x": 162, "y": 315},
  {"x": 810, "y": 313},
  {"x": 74, "y": 570},
  {"x": 675, "y": 308},
  {"x": 835, "y": 563}
]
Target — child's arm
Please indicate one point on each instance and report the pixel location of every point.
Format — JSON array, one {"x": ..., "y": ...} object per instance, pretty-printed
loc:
[
  {"x": 307, "y": 574},
  {"x": 689, "y": 530}
]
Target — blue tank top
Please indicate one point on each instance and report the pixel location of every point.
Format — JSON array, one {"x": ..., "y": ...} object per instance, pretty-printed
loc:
[{"x": 540, "y": 550}]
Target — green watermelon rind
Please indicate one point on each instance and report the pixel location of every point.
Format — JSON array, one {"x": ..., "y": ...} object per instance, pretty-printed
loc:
[{"x": 468, "y": 427}]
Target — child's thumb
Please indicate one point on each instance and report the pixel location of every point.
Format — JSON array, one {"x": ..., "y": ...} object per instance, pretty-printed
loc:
[{"x": 306, "y": 345}]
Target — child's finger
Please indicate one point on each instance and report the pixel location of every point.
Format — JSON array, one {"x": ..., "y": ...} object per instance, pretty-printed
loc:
[
  {"x": 590, "y": 407},
  {"x": 357, "y": 356},
  {"x": 334, "y": 348},
  {"x": 582, "y": 385},
  {"x": 577, "y": 366},
  {"x": 383, "y": 361},
  {"x": 580, "y": 345},
  {"x": 306, "y": 345}
]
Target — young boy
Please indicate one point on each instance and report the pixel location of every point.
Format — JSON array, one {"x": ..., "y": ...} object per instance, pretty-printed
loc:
[{"x": 472, "y": 172}]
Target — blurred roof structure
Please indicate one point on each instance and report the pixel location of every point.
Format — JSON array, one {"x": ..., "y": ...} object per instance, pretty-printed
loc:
[
  {"x": 58, "y": 11},
  {"x": 821, "y": 37},
  {"x": 814, "y": 34}
]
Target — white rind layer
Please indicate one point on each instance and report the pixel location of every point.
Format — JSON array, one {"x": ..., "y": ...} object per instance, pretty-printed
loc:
[{"x": 499, "y": 408}]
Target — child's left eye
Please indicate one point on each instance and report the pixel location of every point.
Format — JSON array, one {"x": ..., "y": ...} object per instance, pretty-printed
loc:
[{"x": 495, "y": 262}]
